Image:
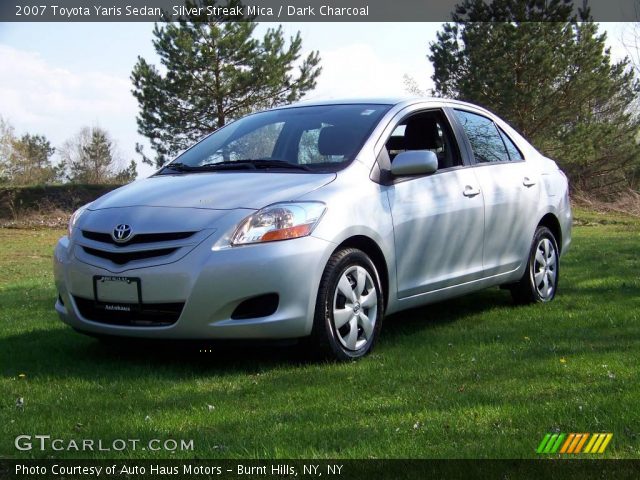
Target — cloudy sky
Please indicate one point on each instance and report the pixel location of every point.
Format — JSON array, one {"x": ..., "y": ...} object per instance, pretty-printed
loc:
[{"x": 56, "y": 78}]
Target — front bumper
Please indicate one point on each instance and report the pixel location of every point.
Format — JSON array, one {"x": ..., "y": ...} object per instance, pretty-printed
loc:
[{"x": 211, "y": 283}]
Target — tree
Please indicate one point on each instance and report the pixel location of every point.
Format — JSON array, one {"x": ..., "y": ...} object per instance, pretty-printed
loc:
[
  {"x": 29, "y": 161},
  {"x": 215, "y": 72},
  {"x": 548, "y": 72},
  {"x": 128, "y": 174},
  {"x": 411, "y": 86},
  {"x": 91, "y": 157},
  {"x": 7, "y": 137}
]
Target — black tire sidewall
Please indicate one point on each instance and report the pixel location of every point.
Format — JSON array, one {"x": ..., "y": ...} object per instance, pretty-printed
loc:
[{"x": 339, "y": 263}]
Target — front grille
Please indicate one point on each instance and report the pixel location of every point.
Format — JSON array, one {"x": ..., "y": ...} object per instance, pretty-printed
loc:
[
  {"x": 120, "y": 258},
  {"x": 145, "y": 315},
  {"x": 140, "y": 238}
]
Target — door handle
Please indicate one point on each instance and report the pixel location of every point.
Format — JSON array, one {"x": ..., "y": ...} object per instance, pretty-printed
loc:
[
  {"x": 470, "y": 191},
  {"x": 527, "y": 182}
]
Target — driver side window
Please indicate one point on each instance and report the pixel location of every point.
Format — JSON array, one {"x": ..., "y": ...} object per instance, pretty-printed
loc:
[{"x": 425, "y": 131}]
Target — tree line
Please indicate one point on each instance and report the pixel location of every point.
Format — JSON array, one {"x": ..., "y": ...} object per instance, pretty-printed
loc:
[
  {"x": 90, "y": 157},
  {"x": 541, "y": 65}
]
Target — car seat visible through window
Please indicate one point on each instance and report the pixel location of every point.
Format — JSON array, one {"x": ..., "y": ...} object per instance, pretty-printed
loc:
[{"x": 422, "y": 132}]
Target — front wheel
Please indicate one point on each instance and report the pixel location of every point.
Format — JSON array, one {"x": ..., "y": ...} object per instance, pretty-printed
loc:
[
  {"x": 349, "y": 307},
  {"x": 540, "y": 280}
]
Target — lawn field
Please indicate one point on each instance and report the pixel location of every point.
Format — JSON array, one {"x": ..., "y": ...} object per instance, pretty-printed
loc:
[{"x": 475, "y": 377}]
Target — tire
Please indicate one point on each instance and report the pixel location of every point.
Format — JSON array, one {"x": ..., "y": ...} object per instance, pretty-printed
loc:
[
  {"x": 539, "y": 283},
  {"x": 349, "y": 307}
]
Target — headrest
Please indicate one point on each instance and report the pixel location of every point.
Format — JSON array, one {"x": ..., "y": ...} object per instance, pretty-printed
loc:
[
  {"x": 337, "y": 141},
  {"x": 395, "y": 143},
  {"x": 421, "y": 133}
]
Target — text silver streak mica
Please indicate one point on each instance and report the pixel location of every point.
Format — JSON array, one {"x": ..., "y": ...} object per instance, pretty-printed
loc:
[{"x": 313, "y": 222}]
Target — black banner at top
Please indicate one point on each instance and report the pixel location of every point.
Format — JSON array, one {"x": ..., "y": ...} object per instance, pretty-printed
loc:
[{"x": 271, "y": 10}]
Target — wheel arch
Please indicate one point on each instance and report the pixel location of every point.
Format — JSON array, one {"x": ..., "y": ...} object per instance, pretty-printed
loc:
[
  {"x": 374, "y": 252},
  {"x": 552, "y": 223}
]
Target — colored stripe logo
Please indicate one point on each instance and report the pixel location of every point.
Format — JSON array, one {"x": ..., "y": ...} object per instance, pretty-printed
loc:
[{"x": 574, "y": 443}]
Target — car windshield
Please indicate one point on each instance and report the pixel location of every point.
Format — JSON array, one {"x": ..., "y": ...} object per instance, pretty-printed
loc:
[{"x": 305, "y": 139}]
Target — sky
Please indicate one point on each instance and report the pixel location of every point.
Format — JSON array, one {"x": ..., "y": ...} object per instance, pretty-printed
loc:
[{"x": 56, "y": 78}]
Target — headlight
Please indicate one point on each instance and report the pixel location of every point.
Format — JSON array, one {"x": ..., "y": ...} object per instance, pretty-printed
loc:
[
  {"x": 280, "y": 221},
  {"x": 74, "y": 218}
]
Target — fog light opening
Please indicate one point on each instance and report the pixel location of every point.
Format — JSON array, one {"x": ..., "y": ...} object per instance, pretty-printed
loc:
[{"x": 256, "y": 307}]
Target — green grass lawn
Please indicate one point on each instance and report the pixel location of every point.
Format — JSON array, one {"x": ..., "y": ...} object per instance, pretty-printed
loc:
[{"x": 475, "y": 377}]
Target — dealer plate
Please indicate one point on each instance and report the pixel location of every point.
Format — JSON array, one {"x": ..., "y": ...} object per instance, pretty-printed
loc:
[{"x": 113, "y": 289}]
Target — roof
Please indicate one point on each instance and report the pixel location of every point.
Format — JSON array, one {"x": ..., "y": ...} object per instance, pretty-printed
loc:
[
  {"x": 405, "y": 100},
  {"x": 402, "y": 101},
  {"x": 351, "y": 101}
]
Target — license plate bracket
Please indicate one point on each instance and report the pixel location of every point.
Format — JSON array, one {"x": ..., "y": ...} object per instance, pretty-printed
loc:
[{"x": 117, "y": 293}]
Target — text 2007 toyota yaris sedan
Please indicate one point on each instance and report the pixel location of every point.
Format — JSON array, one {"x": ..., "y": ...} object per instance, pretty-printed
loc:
[{"x": 313, "y": 221}]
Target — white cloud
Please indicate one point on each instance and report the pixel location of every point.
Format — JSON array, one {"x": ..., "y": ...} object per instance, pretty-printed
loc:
[
  {"x": 37, "y": 90},
  {"x": 38, "y": 97},
  {"x": 357, "y": 70}
]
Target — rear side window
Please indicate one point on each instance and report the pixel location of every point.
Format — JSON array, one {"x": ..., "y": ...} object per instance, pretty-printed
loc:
[
  {"x": 514, "y": 152},
  {"x": 484, "y": 137}
]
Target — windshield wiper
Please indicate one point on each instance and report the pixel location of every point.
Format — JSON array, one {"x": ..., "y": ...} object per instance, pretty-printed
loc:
[
  {"x": 251, "y": 163},
  {"x": 244, "y": 164},
  {"x": 209, "y": 167},
  {"x": 275, "y": 163},
  {"x": 177, "y": 166}
]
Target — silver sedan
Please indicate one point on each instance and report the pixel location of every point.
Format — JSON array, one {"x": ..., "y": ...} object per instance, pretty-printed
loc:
[{"x": 313, "y": 222}]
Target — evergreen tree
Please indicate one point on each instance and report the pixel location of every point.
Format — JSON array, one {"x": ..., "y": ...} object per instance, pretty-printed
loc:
[
  {"x": 215, "y": 72},
  {"x": 96, "y": 158},
  {"x": 91, "y": 157},
  {"x": 128, "y": 174},
  {"x": 29, "y": 161},
  {"x": 548, "y": 72}
]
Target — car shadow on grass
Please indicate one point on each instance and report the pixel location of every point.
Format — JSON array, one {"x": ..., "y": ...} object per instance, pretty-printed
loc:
[
  {"x": 42, "y": 349},
  {"x": 64, "y": 352},
  {"x": 436, "y": 315}
]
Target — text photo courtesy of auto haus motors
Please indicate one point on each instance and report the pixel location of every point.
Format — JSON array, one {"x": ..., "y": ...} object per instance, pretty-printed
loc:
[{"x": 290, "y": 240}]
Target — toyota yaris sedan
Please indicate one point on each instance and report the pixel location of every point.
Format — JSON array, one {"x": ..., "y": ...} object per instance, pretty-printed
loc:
[{"x": 313, "y": 222}]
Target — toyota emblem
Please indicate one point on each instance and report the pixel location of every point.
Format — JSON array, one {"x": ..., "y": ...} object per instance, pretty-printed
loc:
[{"x": 121, "y": 233}]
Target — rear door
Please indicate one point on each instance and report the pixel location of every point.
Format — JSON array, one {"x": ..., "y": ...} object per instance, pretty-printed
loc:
[{"x": 511, "y": 192}]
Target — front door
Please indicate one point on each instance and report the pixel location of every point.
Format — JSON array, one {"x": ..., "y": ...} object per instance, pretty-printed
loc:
[{"x": 438, "y": 219}]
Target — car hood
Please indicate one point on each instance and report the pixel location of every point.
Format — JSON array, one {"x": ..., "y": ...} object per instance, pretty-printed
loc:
[{"x": 214, "y": 190}]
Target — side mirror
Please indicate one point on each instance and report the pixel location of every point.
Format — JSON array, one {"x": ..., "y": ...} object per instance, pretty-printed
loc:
[{"x": 414, "y": 162}]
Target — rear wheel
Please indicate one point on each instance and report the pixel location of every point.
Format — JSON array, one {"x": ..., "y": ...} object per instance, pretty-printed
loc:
[
  {"x": 349, "y": 307},
  {"x": 540, "y": 281}
]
